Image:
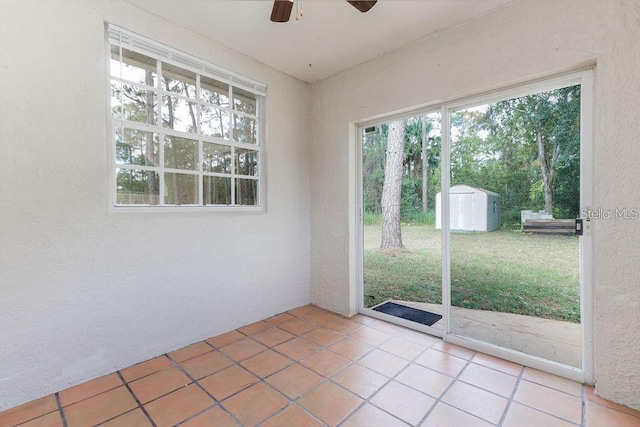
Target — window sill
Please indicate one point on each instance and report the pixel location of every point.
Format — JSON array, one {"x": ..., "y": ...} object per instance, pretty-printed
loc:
[{"x": 184, "y": 209}]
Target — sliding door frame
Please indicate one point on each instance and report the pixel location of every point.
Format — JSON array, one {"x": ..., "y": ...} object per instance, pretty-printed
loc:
[
  {"x": 584, "y": 77},
  {"x": 359, "y": 128}
]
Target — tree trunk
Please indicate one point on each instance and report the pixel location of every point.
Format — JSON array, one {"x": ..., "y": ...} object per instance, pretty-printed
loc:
[
  {"x": 190, "y": 105},
  {"x": 176, "y": 183},
  {"x": 392, "y": 188},
  {"x": 149, "y": 107},
  {"x": 548, "y": 157},
  {"x": 425, "y": 167}
]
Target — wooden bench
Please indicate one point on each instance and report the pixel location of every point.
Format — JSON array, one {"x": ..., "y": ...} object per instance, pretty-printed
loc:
[{"x": 549, "y": 226}]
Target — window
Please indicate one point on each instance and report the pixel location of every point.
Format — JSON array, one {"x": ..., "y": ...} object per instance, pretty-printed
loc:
[{"x": 185, "y": 132}]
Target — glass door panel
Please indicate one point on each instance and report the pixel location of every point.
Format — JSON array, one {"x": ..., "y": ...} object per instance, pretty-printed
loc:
[
  {"x": 401, "y": 247},
  {"x": 513, "y": 198}
]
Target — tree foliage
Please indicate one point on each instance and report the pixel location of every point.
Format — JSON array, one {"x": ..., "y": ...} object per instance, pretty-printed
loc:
[
  {"x": 540, "y": 134},
  {"x": 217, "y": 117},
  {"x": 526, "y": 149},
  {"x": 373, "y": 173}
]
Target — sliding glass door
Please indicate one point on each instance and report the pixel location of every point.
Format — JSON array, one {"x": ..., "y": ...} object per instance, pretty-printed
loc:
[
  {"x": 468, "y": 216},
  {"x": 514, "y": 196},
  {"x": 401, "y": 248}
]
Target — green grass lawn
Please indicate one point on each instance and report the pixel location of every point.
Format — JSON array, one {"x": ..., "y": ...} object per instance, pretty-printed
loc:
[{"x": 504, "y": 271}]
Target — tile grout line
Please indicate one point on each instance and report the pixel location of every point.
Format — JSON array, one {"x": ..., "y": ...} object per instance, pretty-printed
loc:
[
  {"x": 547, "y": 413},
  {"x": 510, "y": 400},
  {"x": 145, "y": 361},
  {"x": 216, "y": 402},
  {"x": 42, "y": 414},
  {"x": 367, "y": 401},
  {"x": 484, "y": 389},
  {"x": 584, "y": 406},
  {"x": 344, "y": 334},
  {"x": 553, "y": 388},
  {"x": 62, "y": 414},
  {"x": 290, "y": 401},
  {"x": 449, "y": 387},
  {"x": 93, "y": 395},
  {"x": 140, "y": 405},
  {"x": 165, "y": 394},
  {"x": 103, "y": 422},
  {"x": 176, "y": 364},
  {"x": 325, "y": 378},
  {"x": 354, "y": 361},
  {"x": 539, "y": 409},
  {"x": 261, "y": 379},
  {"x": 520, "y": 380},
  {"x": 512, "y": 397},
  {"x": 410, "y": 362},
  {"x": 393, "y": 378},
  {"x": 455, "y": 379},
  {"x": 636, "y": 414},
  {"x": 471, "y": 362}
]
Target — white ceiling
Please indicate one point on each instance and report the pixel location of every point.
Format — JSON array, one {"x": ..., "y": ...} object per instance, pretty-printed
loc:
[{"x": 330, "y": 37}]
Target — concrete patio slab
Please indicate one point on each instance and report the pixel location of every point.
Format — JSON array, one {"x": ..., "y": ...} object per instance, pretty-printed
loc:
[{"x": 550, "y": 339}]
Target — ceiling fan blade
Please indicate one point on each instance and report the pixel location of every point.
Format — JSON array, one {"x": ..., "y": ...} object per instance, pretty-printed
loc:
[
  {"x": 281, "y": 11},
  {"x": 361, "y": 5}
]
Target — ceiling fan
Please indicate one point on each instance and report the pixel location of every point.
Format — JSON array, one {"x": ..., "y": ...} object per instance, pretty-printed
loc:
[{"x": 281, "y": 11}]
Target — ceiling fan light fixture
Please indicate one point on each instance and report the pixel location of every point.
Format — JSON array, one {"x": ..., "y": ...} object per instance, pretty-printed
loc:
[
  {"x": 281, "y": 11},
  {"x": 362, "y": 5}
]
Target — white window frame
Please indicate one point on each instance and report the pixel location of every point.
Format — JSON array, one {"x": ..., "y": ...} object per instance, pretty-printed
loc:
[{"x": 124, "y": 39}]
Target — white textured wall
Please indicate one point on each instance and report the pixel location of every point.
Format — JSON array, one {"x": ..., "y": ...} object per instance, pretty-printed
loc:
[
  {"x": 85, "y": 291},
  {"x": 515, "y": 43}
]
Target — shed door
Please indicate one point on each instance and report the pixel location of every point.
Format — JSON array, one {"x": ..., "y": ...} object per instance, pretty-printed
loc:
[{"x": 462, "y": 211}]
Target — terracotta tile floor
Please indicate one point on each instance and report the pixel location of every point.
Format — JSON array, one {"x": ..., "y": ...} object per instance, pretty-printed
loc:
[{"x": 310, "y": 367}]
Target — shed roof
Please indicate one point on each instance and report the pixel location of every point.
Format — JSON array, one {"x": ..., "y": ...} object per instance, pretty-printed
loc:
[{"x": 462, "y": 188}]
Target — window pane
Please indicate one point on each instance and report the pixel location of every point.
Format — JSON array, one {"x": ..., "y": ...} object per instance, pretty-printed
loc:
[
  {"x": 178, "y": 114},
  {"x": 246, "y": 162},
  {"x": 136, "y": 147},
  {"x": 180, "y": 189},
  {"x": 215, "y": 122},
  {"x": 244, "y": 101},
  {"x": 216, "y": 191},
  {"x": 137, "y": 187},
  {"x": 174, "y": 129},
  {"x": 216, "y": 158},
  {"x": 214, "y": 92},
  {"x": 178, "y": 80},
  {"x": 244, "y": 129},
  {"x": 135, "y": 67},
  {"x": 133, "y": 103},
  {"x": 180, "y": 153},
  {"x": 116, "y": 90},
  {"x": 246, "y": 192}
]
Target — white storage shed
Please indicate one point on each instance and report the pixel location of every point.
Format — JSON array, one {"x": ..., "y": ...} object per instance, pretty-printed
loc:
[{"x": 472, "y": 209}]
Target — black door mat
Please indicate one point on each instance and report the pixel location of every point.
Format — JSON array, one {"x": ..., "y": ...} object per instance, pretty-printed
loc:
[{"x": 409, "y": 313}]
